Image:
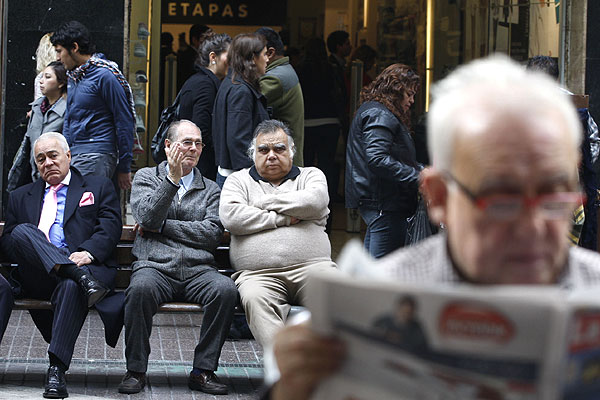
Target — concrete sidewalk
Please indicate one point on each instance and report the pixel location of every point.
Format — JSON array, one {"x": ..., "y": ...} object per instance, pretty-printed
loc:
[{"x": 97, "y": 369}]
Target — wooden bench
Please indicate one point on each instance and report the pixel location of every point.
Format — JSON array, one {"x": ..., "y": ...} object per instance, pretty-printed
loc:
[{"x": 125, "y": 259}]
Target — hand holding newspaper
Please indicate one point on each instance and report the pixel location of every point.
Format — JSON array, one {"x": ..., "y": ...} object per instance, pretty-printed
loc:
[{"x": 455, "y": 342}]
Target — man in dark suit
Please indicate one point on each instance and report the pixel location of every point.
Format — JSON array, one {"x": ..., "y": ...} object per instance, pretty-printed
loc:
[
  {"x": 62, "y": 231},
  {"x": 6, "y": 304}
]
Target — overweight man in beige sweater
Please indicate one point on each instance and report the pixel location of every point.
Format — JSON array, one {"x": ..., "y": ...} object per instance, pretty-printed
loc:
[{"x": 276, "y": 213}]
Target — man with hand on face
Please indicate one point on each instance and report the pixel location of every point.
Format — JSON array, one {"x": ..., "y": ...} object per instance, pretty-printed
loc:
[
  {"x": 505, "y": 147},
  {"x": 176, "y": 214},
  {"x": 276, "y": 213},
  {"x": 61, "y": 231}
]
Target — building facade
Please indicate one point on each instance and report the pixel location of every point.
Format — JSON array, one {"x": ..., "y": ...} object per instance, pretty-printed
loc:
[{"x": 433, "y": 36}]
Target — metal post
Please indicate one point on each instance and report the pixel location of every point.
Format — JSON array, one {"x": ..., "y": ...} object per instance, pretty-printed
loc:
[
  {"x": 3, "y": 58},
  {"x": 170, "y": 79},
  {"x": 356, "y": 84},
  {"x": 564, "y": 38}
]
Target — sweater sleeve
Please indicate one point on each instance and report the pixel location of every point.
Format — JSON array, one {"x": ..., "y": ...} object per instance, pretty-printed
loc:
[
  {"x": 201, "y": 234},
  {"x": 151, "y": 199},
  {"x": 241, "y": 218},
  {"x": 309, "y": 202}
]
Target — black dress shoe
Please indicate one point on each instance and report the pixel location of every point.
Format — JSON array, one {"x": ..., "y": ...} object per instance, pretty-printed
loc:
[
  {"x": 133, "y": 382},
  {"x": 94, "y": 290},
  {"x": 56, "y": 386},
  {"x": 207, "y": 382}
]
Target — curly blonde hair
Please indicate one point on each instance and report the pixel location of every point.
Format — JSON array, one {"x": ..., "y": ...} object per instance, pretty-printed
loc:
[{"x": 45, "y": 53}]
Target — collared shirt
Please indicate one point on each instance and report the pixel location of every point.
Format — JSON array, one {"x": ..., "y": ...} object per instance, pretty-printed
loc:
[
  {"x": 57, "y": 234},
  {"x": 294, "y": 172},
  {"x": 184, "y": 183}
]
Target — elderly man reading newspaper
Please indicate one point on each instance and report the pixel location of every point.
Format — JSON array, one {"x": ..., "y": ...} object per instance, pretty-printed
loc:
[{"x": 504, "y": 144}]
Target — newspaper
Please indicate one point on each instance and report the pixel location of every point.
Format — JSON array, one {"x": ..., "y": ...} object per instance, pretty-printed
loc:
[{"x": 455, "y": 342}]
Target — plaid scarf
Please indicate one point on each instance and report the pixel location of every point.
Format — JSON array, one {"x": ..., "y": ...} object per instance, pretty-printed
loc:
[{"x": 98, "y": 60}]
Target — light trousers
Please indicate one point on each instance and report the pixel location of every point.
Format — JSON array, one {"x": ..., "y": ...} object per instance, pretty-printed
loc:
[{"x": 268, "y": 294}]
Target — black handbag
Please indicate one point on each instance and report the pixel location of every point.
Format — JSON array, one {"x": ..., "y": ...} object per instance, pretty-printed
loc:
[
  {"x": 418, "y": 226},
  {"x": 20, "y": 171},
  {"x": 167, "y": 117}
]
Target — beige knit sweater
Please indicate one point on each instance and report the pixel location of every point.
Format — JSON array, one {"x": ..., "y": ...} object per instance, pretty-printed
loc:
[{"x": 258, "y": 216}]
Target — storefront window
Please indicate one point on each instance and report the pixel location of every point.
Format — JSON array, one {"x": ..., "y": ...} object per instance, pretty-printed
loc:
[{"x": 469, "y": 29}]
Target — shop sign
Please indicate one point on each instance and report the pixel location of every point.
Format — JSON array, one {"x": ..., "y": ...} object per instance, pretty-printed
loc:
[{"x": 224, "y": 12}]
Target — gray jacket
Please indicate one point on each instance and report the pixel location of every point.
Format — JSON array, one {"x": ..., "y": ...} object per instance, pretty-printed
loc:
[
  {"x": 38, "y": 123},
  {"x": 188, "y": 230}
]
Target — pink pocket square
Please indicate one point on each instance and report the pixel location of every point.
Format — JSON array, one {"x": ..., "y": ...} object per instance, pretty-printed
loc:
[{"x": 87, "y": 199}]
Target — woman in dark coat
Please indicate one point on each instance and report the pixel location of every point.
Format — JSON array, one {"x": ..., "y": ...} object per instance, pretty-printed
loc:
[
  {"x": 382, "y": 173},
  {"x": 239, "y": 106},
  {"x": 198, "y": 95}
]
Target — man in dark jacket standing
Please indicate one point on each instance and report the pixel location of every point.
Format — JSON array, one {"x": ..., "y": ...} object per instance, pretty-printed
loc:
[
  {"x": 177, "y": 217},
  {"x": 100, "y": 117},
  {"x": 281, "y": 87}
]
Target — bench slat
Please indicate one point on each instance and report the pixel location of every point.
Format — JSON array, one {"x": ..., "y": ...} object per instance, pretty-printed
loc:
[{"x": 125, "y": 259}]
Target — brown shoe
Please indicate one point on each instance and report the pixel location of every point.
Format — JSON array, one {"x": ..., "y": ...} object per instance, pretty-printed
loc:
[
  {"x": 207, "y": 382},
  {"x": 133, "y": 382}
]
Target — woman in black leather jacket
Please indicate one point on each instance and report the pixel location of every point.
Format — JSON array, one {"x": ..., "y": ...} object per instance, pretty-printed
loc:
[{"x": 382, "y": 173}]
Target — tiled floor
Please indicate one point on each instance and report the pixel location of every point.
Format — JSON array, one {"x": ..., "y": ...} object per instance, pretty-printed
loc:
[{"x": 97, "y": 369}]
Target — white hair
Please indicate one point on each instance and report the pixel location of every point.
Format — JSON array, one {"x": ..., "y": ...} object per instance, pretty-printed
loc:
[
  {"x": 271, "y": 126},
  {"x": 52, "y": 135},
  {"x": 493, "y": 85}
]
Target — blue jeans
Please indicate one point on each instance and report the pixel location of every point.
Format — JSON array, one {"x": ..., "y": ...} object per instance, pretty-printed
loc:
[{"x": 386, "y": 231}]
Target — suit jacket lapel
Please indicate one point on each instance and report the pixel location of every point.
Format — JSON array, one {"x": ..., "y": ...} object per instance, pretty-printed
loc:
[
  {"x": 74, "y": 193},
  {"x": 35, "y": 200}
]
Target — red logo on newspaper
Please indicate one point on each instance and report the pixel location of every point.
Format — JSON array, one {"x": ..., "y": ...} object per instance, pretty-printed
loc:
[
  {"x": 586, "y": 331},
  {"x": 474, "y": 321}
]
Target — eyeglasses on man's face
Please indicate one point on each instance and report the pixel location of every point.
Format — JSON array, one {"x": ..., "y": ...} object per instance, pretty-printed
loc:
[
  {"x": 189, "y": 143},
  {"x": 552, "y": 206}
]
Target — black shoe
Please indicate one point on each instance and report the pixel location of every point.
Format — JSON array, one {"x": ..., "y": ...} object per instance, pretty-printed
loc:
[
  {"x": 133, "y": 382},
  {"x": 56, "y": 386},
  {"x": 207, "y": 382},
  {"x": 94, "y": 291}
]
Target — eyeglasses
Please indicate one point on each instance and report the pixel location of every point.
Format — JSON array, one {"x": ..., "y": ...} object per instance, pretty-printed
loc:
[
  {"x": 188, "y": 144},
  {"x": 510, "y": 206}
]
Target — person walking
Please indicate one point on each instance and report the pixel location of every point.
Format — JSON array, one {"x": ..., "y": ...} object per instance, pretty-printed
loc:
[
  {"x": 239, "y": 106},
  {"x": 199, "y": 92},
  {"x": 47, "y": 115},
  {"x": 382, "y": 173}
]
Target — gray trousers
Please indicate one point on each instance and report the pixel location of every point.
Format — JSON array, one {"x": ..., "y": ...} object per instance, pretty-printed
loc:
[{"x": 149, "y": 288}]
